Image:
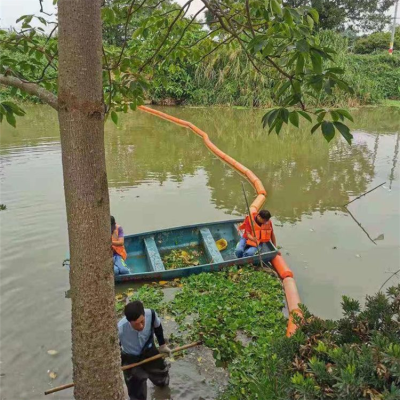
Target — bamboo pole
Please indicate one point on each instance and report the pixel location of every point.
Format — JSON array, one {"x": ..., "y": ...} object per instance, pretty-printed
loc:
[{"x": 125, "y": 367}]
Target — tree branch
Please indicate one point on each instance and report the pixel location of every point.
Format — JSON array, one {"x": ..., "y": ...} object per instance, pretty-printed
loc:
[
  {"x": 31, "y": 88},
  {"x": 128, "y": 18},
  {"x": 227, "y": 40},
  {"x": 183, "y": 33},
  {"x": 182, "y": 10},
  {"x": 202, "y": 38},
  {"x": 249, "y": 18}
]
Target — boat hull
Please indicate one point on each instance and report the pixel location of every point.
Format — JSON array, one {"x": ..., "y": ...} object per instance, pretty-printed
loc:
[{"x": 146, "y": 250}]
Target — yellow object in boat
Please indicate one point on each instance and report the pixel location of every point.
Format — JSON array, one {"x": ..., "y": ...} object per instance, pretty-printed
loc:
[{"x": 222, "y": 244}]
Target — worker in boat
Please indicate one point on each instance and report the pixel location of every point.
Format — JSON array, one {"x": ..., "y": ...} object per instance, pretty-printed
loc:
[
  {"x": 119, "y": 252},
  {"x": 263, "y": 232},
  {"x": 136, "y": 335}
]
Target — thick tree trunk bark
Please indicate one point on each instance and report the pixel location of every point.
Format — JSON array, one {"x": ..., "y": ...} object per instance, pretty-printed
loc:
[{"x": 95, "y": 348}]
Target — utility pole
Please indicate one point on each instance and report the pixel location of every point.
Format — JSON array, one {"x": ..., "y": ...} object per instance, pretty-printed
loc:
[{"x": 393, "y": 27}]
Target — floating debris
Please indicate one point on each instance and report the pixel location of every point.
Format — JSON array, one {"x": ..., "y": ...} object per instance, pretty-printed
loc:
[
  {"x": 52, "y": 352},
  {"x": 180, "y": 259},
  {"x": 52, "y": 374},
  {"x": 380, "y": 237}
]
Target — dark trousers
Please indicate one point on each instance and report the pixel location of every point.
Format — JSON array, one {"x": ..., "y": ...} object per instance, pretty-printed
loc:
[{"x": 136, "y": 378}]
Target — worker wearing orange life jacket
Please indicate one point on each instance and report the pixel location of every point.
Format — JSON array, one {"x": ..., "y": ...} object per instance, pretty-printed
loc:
[
  {"x": 263, "y": 233},
  {"x": 119, "y": 252}
]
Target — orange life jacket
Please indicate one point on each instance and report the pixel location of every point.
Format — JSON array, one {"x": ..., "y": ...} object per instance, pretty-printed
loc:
[
  {"x": 118, "y": 249},
  {"x": 263, "y": 232}
]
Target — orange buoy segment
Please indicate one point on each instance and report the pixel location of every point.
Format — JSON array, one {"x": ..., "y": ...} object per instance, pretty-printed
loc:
[
  {"x": 292, "y": 294},
  {"x": 281, "y": 267},
  {"x": 278, "y": 262},
  {"x": 291, "y": 326}
]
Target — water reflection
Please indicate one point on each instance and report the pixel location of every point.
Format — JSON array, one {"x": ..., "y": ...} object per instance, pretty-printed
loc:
[{"x": 301, "y": 172}]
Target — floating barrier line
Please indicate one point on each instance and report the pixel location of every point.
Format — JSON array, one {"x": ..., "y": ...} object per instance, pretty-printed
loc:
[{"x": 279, "y": 264}]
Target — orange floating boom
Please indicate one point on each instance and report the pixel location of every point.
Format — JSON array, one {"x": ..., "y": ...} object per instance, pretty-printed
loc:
[{"x": 279, "y": 264}]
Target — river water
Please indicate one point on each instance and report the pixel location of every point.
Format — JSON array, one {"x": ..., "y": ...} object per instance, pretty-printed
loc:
[{"x": 161, "y": 175}]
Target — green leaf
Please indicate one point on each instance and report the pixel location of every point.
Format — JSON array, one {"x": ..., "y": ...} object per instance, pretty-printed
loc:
[
  {"x": 268, "y": 49},
  {"x": 303, "y": 46},
  {"x": 137, "y": 33},
  {"x": 42, "y": 20},
  {"x": 278, "y": 126},
  {"x": 276, "y": 7},
  {"x": 336, "y": 70},
  {"x": 268, "y": 117},
  {"x": 328, "y": 130},
  {"x": 294, "y": 118},
  {"x": 300, "y": 64},
  {"x": 114, "y": 117},
  {"x": 310, "y": 22},
  {"x": 305, "y": 115},
  {"x": 11, "y": 119},
  {"x": 335, "y": 116},
  {"x": 20, "y": 18},
  {"x": 108, "y": 15},
  {"x": 258, "y": 43},
  {"x": 321, "y": 116},
  {"x": 345, "y": 114},
  {"x": 282, "y": 89},
  {"x": 314, "y": 15},
  {"x": 13, "y": 107},
  {"x": 287, "y": 16},
  {"x": 344, "y": 130},
  {"x": 316, "y": 61},
  {"x": 316, "y": 82},
  {"x": 273, "y": 114},
  {"x": 284, "y": 114},
  {"x": 315, "y": 127}
]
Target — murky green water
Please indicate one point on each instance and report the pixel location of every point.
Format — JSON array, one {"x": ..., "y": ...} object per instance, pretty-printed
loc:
[{"x": 161, "y": 175}]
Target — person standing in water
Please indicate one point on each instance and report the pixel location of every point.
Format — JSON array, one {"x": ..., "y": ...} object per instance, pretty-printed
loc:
[
  {"x": 263, "y": 233},
  {"x": 119, "y": 252},
  {"x": 136, "y": 335}
]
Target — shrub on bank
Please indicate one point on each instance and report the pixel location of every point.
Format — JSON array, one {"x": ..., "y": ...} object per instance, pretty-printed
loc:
[
  {"x": 356, "y": 357},
  {"x": 376, "y": 42}
]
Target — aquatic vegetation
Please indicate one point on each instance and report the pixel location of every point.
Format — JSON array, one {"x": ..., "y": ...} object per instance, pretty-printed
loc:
[
  {"x": 151, "y": 296},
  {"x": 181, "y": 259},
  {"x": 3, "y": 207},
  {"x": 238, "y": 312},
  {"x": 226, "y": 305}
]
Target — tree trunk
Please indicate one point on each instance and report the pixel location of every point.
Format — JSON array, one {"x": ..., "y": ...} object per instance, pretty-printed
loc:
[{"x": 95, "y": 348}]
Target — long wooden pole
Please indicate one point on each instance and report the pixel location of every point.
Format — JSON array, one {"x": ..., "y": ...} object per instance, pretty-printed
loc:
[
  {"x": 361, "y": 195},
  {"x": 125, "y": 367}
]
